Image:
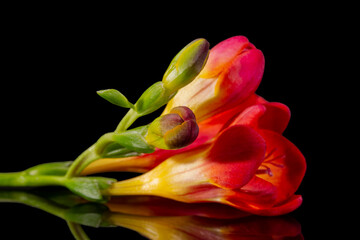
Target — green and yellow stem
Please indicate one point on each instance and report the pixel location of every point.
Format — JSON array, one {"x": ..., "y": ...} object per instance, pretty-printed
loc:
[{"x": 127, "y": 120}]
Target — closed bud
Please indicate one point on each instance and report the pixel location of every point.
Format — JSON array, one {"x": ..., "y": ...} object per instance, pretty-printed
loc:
[
  {"x": 186, "y": 65},
  {"x": 174, "y": 130}
]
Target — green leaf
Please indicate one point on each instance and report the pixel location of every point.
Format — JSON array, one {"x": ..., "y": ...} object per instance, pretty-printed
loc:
[
  {"x": 89, "y": 187},
  {"x": 134, "y": 140},
  {"x": 115, "y": 97}
]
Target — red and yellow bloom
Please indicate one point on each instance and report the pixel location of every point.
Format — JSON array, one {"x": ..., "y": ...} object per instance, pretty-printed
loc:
[
  {"x": 228, "y": 81},
  {"x": 240, "y": 157},
  {"x": 254, "y": 171}
]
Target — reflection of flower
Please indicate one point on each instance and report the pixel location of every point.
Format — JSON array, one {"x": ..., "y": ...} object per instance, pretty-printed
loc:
[
  {"x": 192, "y": 227},
  {"x": 157, "y": 206}
]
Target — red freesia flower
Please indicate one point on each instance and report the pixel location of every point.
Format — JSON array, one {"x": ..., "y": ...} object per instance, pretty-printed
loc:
[
  {"x": 240, "y": 157},
  {"x": 254, "y": 171}
]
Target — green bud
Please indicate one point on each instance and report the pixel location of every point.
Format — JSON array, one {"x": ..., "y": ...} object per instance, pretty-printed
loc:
[
  {"x": 174, "y": 130},
  {"x": 115, "y": 97},
  {"x": 186, "y": 65},
  {"x": 152, "y": 99}
]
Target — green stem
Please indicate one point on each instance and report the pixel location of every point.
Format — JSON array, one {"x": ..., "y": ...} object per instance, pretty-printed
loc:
[
  {"x": 88, "y": 156},
  {"x": 127, "y": 120},
  {"x": 94, "y": 152},
  {"x": 21, "y": 179},
  {"x": 103, "y": 141},
  {"x": 84, "y": 159}
]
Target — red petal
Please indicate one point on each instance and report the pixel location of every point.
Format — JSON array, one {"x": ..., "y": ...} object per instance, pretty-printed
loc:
[
  {"x": 222, "y": 54},
  {"x": 235, "y": 157},
  {"x": 213, "y": 125},
  {"x": 286, "y": 207},
  {"x": 242, "y": 77},
  {"x": 284, "y": 165},
  {"x": 272, "y": 116},
  {"x": 276, "y": 117},
  {"x": 250, "y": 116},
  {"x": 257, "y": 192}
]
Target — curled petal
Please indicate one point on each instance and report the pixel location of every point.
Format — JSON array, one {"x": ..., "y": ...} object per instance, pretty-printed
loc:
[
  {"x": 276, "y": 118},
  {"x": 284, "y": 163},
  {"x": 269, "y": 115}
]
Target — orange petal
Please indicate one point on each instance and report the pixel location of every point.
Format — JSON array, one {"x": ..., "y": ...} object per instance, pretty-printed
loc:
[{"x": 284, "y": 165}]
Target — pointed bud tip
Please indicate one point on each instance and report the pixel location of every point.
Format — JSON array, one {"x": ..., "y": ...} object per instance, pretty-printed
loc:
[{"x": 186, "y": 65}]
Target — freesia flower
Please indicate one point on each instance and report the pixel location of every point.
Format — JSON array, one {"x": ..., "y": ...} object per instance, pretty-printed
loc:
[
  {"x": 256, "y": 173},
  {"x": 239, "y": 158},
  {"x": 222, "y": 90}
]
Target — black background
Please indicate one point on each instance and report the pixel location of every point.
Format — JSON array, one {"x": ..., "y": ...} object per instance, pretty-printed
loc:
[{"x": 55, "y": 60}]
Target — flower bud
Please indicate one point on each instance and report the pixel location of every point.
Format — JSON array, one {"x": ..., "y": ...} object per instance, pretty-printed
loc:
[
  {"x": 186, "y": 65},
  {"x": 174, "y": 130}
]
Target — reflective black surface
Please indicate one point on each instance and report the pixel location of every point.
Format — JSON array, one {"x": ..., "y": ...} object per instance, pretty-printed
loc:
[
  {"x": 56, "y": 61},
  {"x": 138, "y": 217}
]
